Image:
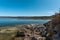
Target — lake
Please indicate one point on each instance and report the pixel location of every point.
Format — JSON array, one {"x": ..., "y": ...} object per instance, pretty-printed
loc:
[{"x": 16, "y": 21}]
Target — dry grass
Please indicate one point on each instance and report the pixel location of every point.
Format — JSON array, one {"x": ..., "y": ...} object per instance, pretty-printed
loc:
[{"x": 6, "y": 36}]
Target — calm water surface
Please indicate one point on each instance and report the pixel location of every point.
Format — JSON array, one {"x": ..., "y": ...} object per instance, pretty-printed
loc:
[{"x": 12, "y": 21}]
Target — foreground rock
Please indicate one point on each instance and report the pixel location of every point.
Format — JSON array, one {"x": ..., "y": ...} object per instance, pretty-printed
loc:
[
  {"x": 25, "y": 32},
  {"x": 53, "y": 27}
]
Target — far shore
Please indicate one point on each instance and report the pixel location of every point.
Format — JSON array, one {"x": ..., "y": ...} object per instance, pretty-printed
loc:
[{"x": 28, "y": 17}]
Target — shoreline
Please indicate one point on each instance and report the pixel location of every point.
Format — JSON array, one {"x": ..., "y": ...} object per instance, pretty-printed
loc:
[
  {"x": 29, "y": 30},
  {"x": 15, "y": 28},
  {"x": 20, "y": 25}
]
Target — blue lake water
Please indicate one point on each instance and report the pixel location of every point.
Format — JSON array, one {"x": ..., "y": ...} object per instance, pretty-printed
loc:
[{"x": 13, "y": 21}]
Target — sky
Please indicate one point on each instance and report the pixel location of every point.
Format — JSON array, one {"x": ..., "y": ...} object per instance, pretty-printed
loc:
[{"x": 29, "y": 7}]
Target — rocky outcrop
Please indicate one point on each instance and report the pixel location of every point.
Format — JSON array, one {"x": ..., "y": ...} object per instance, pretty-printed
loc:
[
  {"x": 30, "y": 32},
  {"x": 54, "y": 26}
]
